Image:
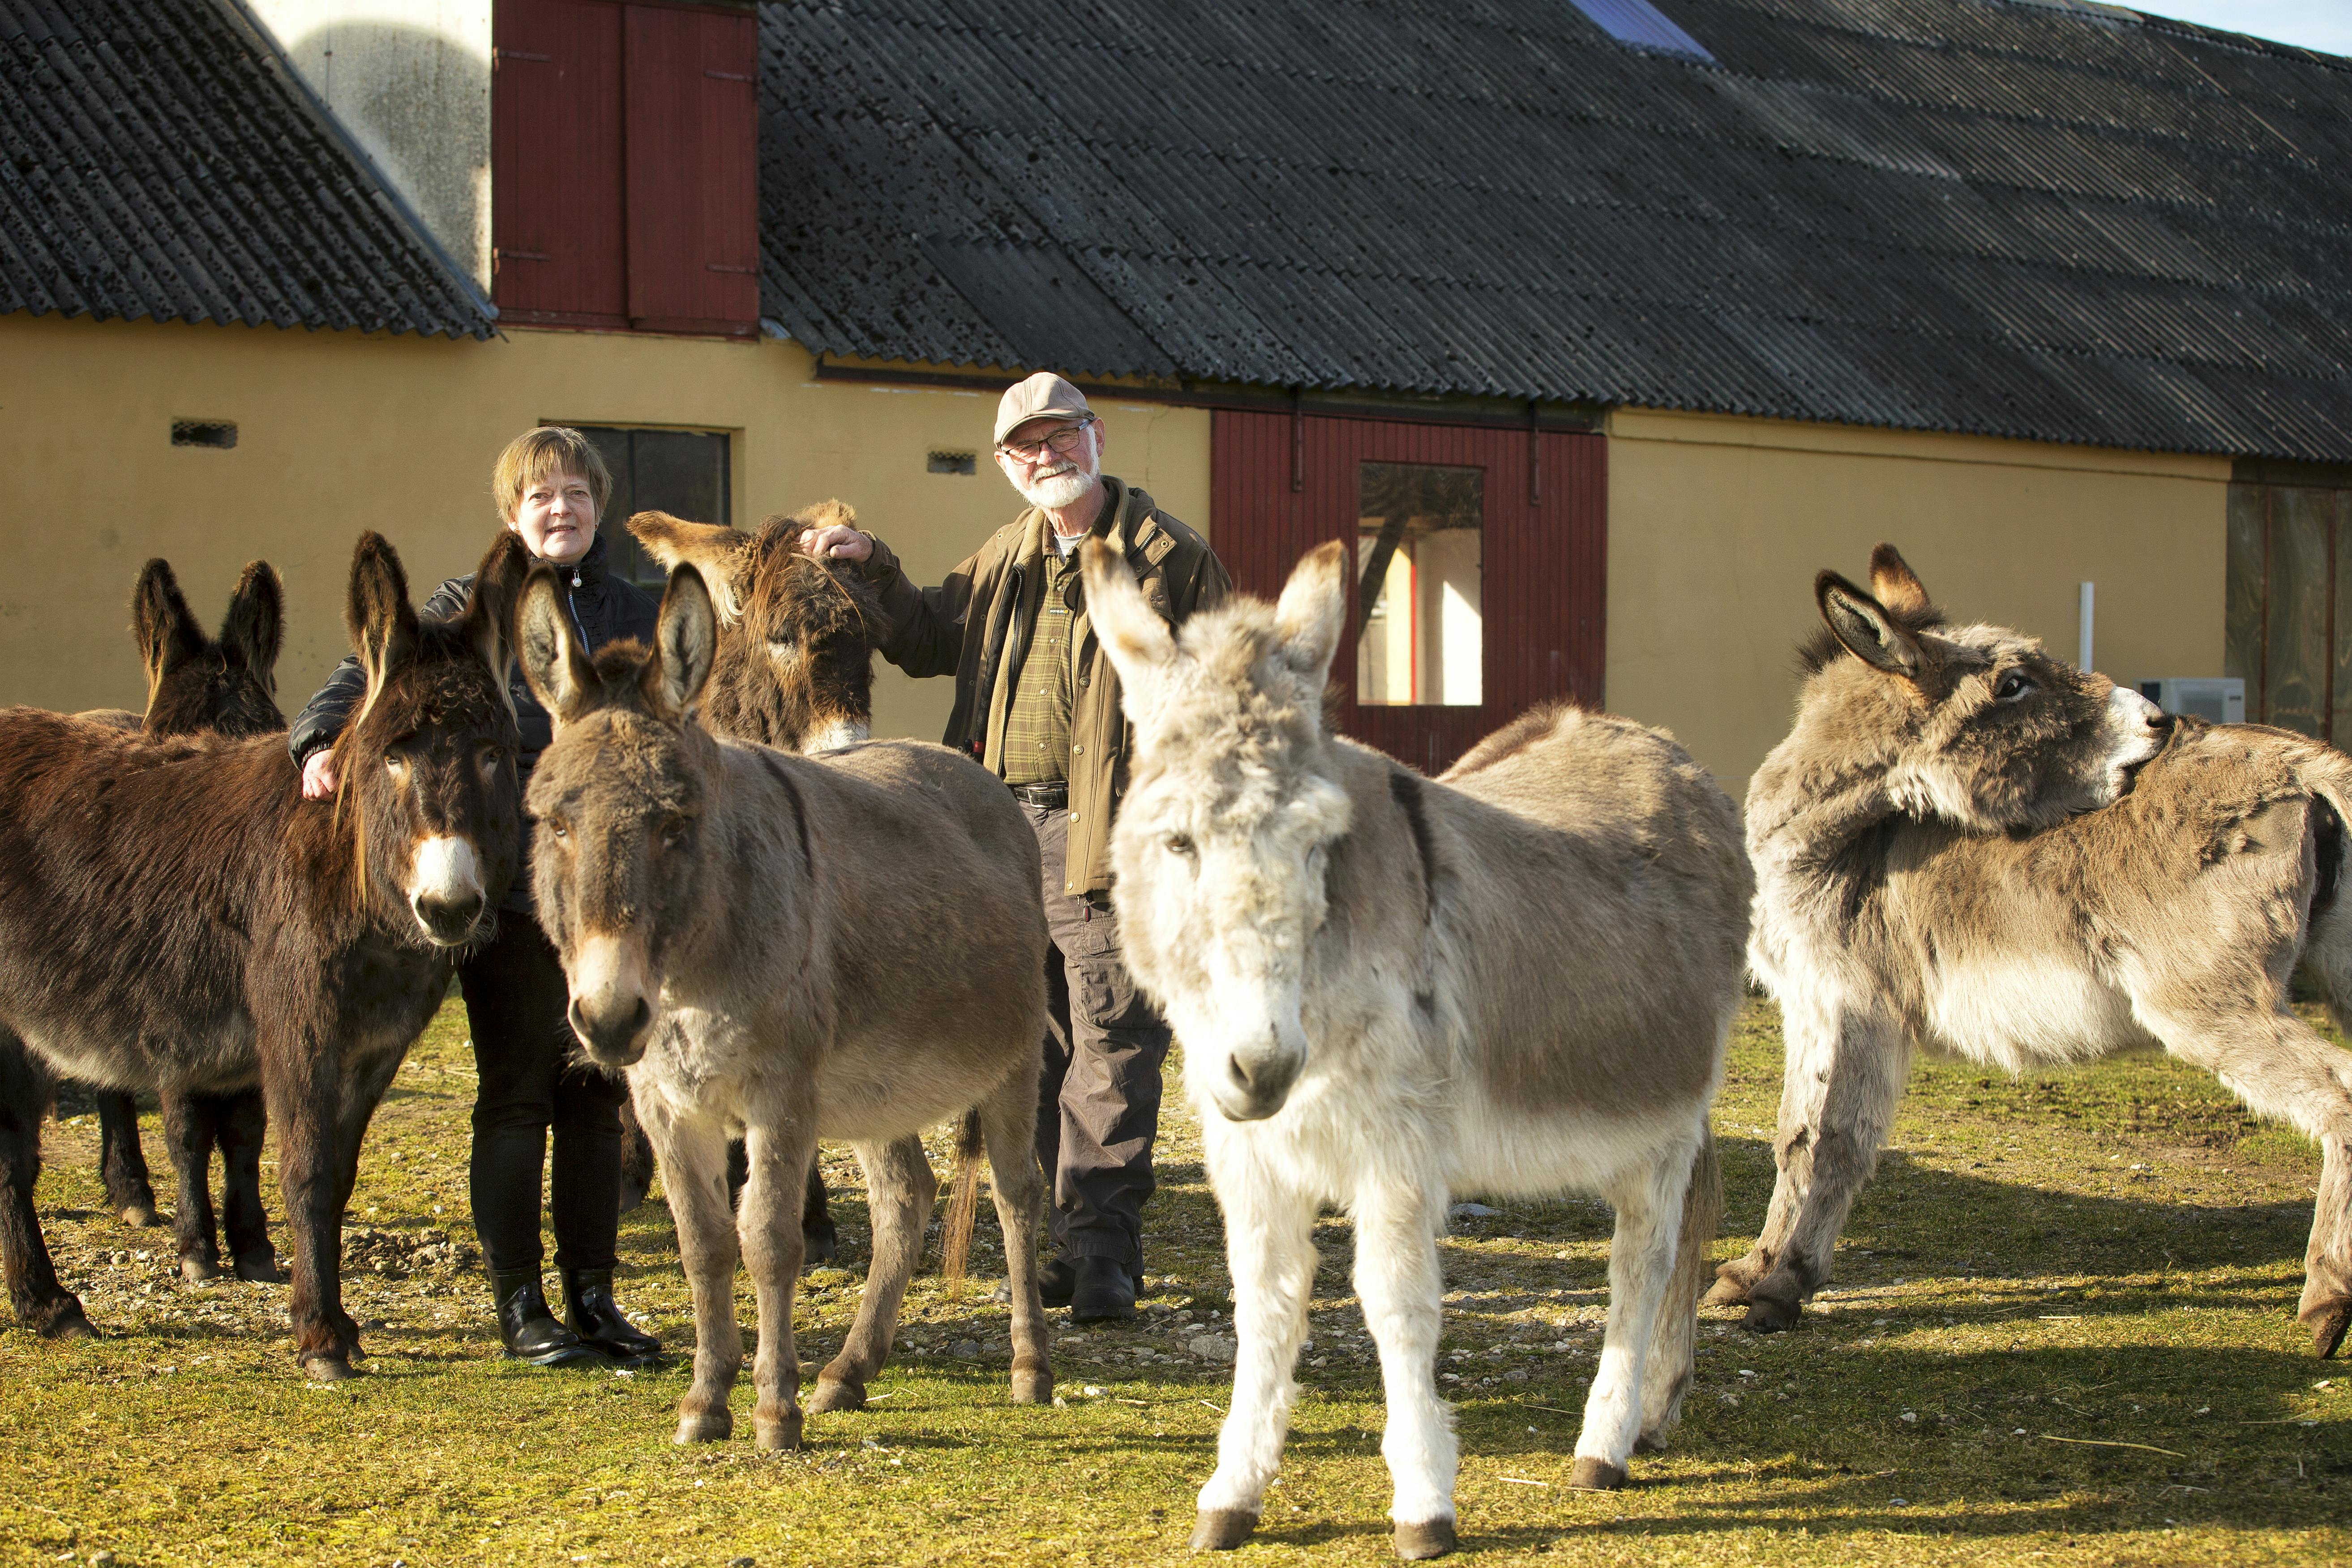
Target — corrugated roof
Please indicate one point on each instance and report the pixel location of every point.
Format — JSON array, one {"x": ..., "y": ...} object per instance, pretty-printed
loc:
[
  {"x": 160, "y": 160},
  {"x": 2050, "y": 222}
]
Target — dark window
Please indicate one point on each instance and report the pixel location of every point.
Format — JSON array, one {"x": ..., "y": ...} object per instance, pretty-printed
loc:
[
  {"x": 1643, "y": 25},
  {"x": 952, "y": 463},
  {"x": 682, "y": 472},
  {"x": 625, "y": 141},
  {"x": 216, "y": 433},
  {"x": 2289, "y": 593}
]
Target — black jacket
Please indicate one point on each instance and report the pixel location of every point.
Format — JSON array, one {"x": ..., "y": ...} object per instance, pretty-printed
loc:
[{"x": 603, "y": 608}]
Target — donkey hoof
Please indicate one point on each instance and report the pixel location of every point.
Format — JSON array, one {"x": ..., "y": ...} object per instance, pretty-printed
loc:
[
  {"x": 1728, "y": 1290},
  {"x": 1435, "y": 1539},
  {"x": 327, "y": 1368},
  {"x": 777, "y": 1433},
  {"x": 1769, "y": 1315},
  {"x": 1221, "y": 1529},
  {"x": 259, "y": 1269},
  {"x": 2327, "y": 1321},
  {"x": 64, "y": 1320},
  {"x": 141, "y": 1217},
  {"x": 830, "y": 1395},
  {"x": 714, "y": 1427},
  {"x": 1595, "y": 1475},
  {"x": 1031, "y": 1385},
  {"x": 198, "y": 1269}
]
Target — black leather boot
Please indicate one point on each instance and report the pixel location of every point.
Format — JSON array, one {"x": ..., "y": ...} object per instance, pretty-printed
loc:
[
  {"x": 1056, "y": 1281},
  {"x": 597, "y": 1319},
  {"x": 1101, "y": 1291},
  {"x": 529, "y": 1330}
]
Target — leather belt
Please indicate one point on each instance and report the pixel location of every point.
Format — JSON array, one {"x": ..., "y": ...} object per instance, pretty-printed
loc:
[{"x": 1052, "y": 797}]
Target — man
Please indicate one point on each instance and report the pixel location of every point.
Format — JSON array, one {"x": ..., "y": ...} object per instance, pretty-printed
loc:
[{"x": 1038, "y": 704}]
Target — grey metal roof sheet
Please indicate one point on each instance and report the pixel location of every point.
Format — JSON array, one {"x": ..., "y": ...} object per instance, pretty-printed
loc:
[
  {"x": 160, "y": 160},
  {"x": 1976, "y": 216}
]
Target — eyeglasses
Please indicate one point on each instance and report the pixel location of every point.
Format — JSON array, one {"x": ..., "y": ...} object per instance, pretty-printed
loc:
[{"x": 1064, "y": 441}]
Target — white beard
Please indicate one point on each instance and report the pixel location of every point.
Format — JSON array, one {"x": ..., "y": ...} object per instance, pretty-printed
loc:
[{"x": 1080, "y": 473}]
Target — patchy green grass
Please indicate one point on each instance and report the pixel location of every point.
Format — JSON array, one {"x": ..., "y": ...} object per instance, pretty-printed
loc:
[{"x": 2062, "y": 1331}]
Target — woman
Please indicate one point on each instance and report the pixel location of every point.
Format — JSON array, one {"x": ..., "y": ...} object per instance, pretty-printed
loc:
[{"x": 550, "y": 486}]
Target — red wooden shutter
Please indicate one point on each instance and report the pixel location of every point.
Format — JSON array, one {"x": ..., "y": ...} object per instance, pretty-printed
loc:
[
  {"x": 556, "y": 219},
  {"x": 693, "y": 114}
]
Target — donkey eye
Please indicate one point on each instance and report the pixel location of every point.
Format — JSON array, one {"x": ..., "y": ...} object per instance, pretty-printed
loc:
[
  {"x": 560, "y": 828},
  {"x": 395, "y": 764},
  {"x": 673, "y": 833},
  {"x": 2012, "y": 686},
  {"x": 1181, "y": 843}
]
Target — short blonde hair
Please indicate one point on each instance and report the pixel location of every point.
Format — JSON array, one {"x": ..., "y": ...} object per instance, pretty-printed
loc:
[{"x": 543, "y": 453}]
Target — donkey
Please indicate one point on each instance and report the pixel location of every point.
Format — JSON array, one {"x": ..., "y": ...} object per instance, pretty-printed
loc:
[
  {"x": 197, "y": 684},
  {"x": 1517, "y": 978},
  {"x": 795, "y": 669},
  {"x": 779, "y": 947},
  {"x": 1968, "y": 845},
  {"x": 174, "y": 915}
]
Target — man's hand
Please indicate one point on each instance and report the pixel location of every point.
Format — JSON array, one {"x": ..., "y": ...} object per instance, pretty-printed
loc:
[
  {"x": 834, "y": 541},
  {"x": 319, "y": 774}
]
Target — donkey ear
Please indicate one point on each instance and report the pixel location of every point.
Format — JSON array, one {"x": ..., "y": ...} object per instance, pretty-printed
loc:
[
  {"x": 717, "y": 552},
  {"x": 166, "y": 631},
  {"x": 552, "y": 660},
  {"x": 1896, "y": 585},
  {"x": 380, "y": 620},
  {"x": 254, "y": 630},
  {"x": 1134, "y": 637},
  {"x": 684, "y": 640},
  {"x": 1312, "y": 610},
  {"x": 1864, "y": 627},
  {"x": 491, "y": 612}
]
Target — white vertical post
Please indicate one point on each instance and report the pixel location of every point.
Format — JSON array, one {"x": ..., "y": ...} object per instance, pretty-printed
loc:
[{"x": 2090, "y": 597}]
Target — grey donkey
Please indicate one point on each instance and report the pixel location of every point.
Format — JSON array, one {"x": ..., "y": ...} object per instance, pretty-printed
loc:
[
  {"x": 1517, "y": 978},
  {"x": 777, "y": 947},
  {"x": 1968, "y": 845}
]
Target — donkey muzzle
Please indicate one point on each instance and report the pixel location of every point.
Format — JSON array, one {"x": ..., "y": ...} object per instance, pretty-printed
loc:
[
  {"x": 445, "y": 889},
  {"x": 1256, "y": 1084},
  {"x": 612, "y": 1009}
]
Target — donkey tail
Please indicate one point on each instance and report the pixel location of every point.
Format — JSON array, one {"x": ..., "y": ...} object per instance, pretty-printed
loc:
[
  {"x": 2327, "y": 927},
  {"x": 1672, "y": 1362},
  {"x": 955, "y": 1245}
]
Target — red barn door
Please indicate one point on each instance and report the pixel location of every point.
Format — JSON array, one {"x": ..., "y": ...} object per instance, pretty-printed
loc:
[{"x": 1480, "y": 572}]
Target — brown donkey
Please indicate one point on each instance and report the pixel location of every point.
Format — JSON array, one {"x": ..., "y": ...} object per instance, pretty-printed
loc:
[
  {"x": 1969, "y": 846},
  {"x": 795, "y": 669},
  {"x": 172, "y": 914},
  {"x": 778, "y": 947},
  {"x": 201, "y": 685}
]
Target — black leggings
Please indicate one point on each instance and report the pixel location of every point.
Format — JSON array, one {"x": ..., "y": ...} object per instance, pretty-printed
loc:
[{"x": 532, "y": 1080}]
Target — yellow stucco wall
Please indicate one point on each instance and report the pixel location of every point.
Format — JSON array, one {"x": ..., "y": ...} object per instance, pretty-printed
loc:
[
  {"x": 339, "y": 431},
  {"x": 1717, "y": 526}
]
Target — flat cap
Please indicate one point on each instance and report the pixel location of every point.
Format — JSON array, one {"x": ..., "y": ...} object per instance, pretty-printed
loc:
[{"x": 1044, "y": 395}]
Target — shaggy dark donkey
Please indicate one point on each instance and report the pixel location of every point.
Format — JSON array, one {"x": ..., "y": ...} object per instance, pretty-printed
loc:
[
  {"x": 173, "y": 913},
  {"x": 796, "y": 671},
  {"x": 200, "y": 685}
]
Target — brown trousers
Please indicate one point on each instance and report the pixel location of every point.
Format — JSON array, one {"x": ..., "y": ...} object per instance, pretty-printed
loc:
[{"x": 1098, "y": 1098}]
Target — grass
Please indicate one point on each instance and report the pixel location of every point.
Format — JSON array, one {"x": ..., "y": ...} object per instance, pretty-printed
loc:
[{"x": 2062, "y": 1332}]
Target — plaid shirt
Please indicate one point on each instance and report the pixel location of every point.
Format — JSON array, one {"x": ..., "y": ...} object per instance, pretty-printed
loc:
[{"x": 1037, "y": 725}]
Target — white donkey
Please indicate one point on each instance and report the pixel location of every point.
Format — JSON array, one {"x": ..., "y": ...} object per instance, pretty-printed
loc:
[
  {"x": 1948, "y": 857},
  {"x": 1517, "y": 979}
]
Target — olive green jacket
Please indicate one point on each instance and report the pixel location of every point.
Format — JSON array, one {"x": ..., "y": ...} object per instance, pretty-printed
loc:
[{"x": 975, "y": 626}]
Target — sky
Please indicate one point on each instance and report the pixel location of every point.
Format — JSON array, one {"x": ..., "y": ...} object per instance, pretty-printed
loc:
[{"x": 2315, "y": 24}]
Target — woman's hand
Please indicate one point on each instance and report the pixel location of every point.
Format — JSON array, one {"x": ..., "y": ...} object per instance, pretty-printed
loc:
[
  {"x": 319, "y": 774},
  {"x": 836, "y": 541}
]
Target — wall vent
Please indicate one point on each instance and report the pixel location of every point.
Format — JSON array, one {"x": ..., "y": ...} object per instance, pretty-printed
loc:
[
  {"x": 220, "y": 434},
  {"x": 953, "y": 463}
]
